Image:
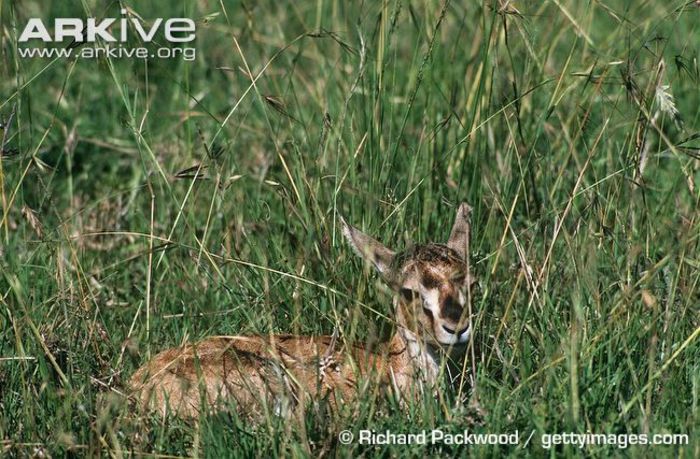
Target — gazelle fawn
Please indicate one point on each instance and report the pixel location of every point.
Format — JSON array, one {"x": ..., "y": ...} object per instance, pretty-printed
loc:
[{"x": 277, "y": 373}]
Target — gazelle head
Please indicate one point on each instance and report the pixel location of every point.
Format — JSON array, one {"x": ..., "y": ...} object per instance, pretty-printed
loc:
[{"x": 431, "y": 282}]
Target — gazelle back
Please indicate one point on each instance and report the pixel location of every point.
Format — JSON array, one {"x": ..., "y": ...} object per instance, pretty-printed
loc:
[{"x": 278, "y": 373}]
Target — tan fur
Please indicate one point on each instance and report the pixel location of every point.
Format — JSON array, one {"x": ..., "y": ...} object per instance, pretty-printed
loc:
[{"x": 262, "y": 375}]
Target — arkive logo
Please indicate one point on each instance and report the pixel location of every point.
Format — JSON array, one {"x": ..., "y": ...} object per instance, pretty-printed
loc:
[
  {"x": 109, "y": 38},
  {"x": 175, "y": 30}
]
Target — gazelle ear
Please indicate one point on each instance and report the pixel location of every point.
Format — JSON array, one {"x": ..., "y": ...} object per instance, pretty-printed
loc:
[
  {"x": 369, "y": 249},
  {"x": 459, "y": 237}
]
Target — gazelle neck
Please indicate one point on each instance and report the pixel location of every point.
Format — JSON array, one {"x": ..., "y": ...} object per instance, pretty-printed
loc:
[
  {"x": 413, "y": 364},
  {"x": 416, "y": 365}
]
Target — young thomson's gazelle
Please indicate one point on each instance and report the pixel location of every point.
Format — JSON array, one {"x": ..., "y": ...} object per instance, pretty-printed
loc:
[{"x": 279, "y": 372}]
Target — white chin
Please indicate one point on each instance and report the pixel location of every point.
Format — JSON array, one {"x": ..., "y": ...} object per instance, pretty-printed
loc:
[{"x": 448, "y": 339}]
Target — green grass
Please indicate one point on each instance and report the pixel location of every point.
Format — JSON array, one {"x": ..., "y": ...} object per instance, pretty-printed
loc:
[{"x": 586, "y": 229}]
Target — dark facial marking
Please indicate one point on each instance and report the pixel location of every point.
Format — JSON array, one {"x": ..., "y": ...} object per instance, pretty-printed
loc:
[
  {"x": 430, "y": 281},
  {"x": 451, "y": 309}
]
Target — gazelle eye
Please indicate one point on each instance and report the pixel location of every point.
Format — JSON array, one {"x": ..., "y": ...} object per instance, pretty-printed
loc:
[
  {"x": 465, "y": 281},
  {"x": 408, "y": 294}
]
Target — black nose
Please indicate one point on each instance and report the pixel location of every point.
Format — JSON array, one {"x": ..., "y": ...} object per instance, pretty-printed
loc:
[{"x": 452, "y": 332}]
